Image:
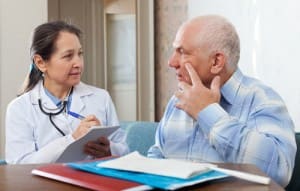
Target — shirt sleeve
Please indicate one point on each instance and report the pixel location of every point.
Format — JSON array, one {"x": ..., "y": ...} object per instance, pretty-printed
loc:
[
  {"x": 50, "y": 152},
  {"x": 266, "y": 139},
  {"x": 155, "y": 151}
]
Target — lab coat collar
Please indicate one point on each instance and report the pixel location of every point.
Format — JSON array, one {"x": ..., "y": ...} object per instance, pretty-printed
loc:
[
  {"x": 77, "y": 105},
  {"x": 37, "y": 93},
  {"x": 81, "y": 90}
]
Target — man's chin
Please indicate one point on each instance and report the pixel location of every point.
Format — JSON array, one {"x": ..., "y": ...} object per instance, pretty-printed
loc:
[{"x": 180, "y": 79}]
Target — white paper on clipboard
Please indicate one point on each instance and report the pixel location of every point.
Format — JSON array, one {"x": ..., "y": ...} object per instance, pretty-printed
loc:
[{"x": 74, "y": 151}]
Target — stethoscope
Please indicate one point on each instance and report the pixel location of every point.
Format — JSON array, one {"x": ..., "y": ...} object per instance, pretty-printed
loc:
[{"x": 62, "y": 107}]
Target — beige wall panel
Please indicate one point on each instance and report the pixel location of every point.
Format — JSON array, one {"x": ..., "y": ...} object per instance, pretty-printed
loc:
[
  {"x": 119, "y": 6},
  {"x": 18, "y": 19},
  {"x": 169, "y": 14}
]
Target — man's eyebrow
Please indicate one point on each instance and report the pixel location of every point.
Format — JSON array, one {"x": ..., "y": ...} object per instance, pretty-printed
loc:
[
  {"x": 180, "y": 48},
  {"x": 174, "y": 45}
]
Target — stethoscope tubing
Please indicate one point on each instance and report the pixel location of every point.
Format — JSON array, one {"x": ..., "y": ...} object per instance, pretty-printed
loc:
[{"x": 50, "y": 114}]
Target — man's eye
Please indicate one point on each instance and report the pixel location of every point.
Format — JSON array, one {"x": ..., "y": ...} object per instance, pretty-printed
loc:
[{"x": 180, "y": 51}]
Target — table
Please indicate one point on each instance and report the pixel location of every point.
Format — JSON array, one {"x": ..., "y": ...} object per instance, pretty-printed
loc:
[{"x": 19, "y": 177}]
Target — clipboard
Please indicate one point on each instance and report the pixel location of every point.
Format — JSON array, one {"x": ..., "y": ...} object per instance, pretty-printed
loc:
[{"x": 74, "y": 151}]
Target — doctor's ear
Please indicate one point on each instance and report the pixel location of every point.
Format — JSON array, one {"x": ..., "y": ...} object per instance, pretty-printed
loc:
[
  {"x": 40, "y": 63},
  {"x": 218, "y": 62}
]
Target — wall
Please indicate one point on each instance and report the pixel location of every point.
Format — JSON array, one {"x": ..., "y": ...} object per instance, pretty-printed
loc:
[
  {"x": 169, "y": 15},
  {"x": 14, "y": 48},
  {"x": 270, "y": 38},
  {"x": 1, "y": 91}
]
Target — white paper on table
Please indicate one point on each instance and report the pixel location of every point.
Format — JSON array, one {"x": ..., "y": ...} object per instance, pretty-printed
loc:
[{"x": 164, "y": 167}]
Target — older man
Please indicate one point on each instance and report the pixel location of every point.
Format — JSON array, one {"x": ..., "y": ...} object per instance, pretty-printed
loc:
[{"x": 218, "y": 114}]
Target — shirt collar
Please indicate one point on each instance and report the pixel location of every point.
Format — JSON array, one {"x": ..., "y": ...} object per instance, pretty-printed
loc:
[
  {"x": 56, "y": 100},
  {"x": 230, "y": 89}
]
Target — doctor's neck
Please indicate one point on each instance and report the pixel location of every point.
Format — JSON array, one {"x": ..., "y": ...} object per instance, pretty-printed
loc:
[{"x": 59, "y": 91}]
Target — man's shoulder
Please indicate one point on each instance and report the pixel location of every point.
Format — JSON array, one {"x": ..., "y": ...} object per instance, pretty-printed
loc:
[
  {"x": 254, "y": 84},
  {"x": 258, "y": 90}
]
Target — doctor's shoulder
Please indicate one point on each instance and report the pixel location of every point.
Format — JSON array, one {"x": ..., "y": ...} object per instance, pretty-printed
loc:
[
  {"x": 20, "y": 102},
  {"x": 93, "y": 90}
]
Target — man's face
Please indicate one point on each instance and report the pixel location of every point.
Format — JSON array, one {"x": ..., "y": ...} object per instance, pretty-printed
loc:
[{"x": 187, "y": 49}]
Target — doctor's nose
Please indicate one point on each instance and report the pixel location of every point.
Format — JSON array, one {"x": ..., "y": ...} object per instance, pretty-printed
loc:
[{"x": 78, "y": 61}]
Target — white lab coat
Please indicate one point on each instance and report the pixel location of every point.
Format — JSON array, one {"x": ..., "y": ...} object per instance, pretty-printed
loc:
[{"x": 30, "y": 136}]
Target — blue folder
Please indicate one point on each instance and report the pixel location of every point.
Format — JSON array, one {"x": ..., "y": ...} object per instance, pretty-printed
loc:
[{"x": 156, "y": 181}]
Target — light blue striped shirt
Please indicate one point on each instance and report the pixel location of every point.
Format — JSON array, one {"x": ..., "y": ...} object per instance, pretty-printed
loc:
[{"x": 250, "y": 125}]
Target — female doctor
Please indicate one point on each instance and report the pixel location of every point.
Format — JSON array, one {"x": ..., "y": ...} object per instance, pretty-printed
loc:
[{"x": 48, "y": 114}]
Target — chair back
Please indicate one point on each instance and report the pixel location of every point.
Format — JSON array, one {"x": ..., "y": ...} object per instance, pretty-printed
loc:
[
  {"x": 294, "y": 184},
  {"x": 2, "y": 162},
  {"x": 140, "y": 135}
]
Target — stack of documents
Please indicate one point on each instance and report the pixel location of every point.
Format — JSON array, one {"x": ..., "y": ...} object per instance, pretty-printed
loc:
[
  {"x": 167, "y": 174},
  {"x": 163, "y": 167}
]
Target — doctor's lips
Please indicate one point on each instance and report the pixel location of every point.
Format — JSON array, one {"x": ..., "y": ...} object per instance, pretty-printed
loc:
[
  {"x": 76, "y": 115},
  {"x": 75, "y": 73}
]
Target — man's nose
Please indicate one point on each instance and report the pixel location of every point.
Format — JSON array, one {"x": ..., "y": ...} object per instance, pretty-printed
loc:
[{"x": 173, "y": 61}]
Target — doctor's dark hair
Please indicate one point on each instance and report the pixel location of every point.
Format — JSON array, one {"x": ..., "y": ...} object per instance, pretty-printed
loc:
[{"x": 43, "y": 43}]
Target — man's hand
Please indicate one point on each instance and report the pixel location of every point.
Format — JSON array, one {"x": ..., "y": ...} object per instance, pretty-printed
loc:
[
  {"x": 193, "y": 98},
  {"x": 99, "y": 148}
]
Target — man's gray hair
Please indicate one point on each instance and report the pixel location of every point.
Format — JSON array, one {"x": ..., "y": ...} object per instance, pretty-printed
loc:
[{"x": 220, "y": 35}]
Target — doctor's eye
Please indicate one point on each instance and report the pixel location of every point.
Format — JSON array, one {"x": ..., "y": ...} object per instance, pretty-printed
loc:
[{"x": 68, "y": 56}]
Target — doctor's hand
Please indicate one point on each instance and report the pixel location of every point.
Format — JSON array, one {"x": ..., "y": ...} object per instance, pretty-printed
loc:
[
  {"x": 194, "y": 98},
  {"x": 99, "y": 148},
  {"x": 85, "y": 125}
]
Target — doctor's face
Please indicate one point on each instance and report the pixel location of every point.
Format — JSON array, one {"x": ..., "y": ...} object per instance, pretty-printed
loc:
[{"x": 65, "y": 66}]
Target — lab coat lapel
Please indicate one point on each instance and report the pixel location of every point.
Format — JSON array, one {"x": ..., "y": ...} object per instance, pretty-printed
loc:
[
  {"x": 78, "y": 105},
  {"x": 59, "y": 119},
  {"x": 39, "y": 93}
]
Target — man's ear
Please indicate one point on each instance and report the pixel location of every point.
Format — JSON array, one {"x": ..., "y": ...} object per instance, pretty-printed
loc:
[
  {"x": 40, "y": 63},
  {"x": 218, "y": 62}
]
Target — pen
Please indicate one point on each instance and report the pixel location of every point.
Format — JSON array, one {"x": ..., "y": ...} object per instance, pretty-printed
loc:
[{"x": 76, "y": 115}]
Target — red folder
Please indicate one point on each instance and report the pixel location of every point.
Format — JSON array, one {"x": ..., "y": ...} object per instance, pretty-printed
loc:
[{"x": 63, "y": 173}]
